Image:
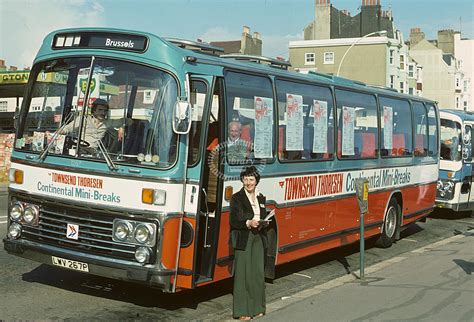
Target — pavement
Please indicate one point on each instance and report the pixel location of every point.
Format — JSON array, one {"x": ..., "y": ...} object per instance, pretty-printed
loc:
[
  {"x": 3, "y": 188},
  {"x": 433, "y": 283}
]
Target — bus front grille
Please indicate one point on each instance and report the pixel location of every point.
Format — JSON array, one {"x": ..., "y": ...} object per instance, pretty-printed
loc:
[{"x": 94, "y": 233}]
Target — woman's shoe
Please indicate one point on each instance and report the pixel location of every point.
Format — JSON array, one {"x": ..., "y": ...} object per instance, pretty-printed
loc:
[
  {"x": 245, "y": 318},
  {"x": 259, "y": 315}
]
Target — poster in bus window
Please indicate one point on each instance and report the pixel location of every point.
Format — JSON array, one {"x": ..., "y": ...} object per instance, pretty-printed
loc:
[
  {"x": 263, "y": 140},
  {"x": 320, "y": 113},
  {"x": 294, "y": 122},
  {"x": 387, "y": 127},
  {"x": 59, "y": 146},
  {"x": 38, "y": 141},
  {"x": 348, "y": 119}
]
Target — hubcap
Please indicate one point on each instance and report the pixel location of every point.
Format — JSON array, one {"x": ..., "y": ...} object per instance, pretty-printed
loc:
[{"x": 390, "y": 222}]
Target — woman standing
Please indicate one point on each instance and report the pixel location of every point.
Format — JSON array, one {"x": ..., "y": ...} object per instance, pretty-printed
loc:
[{"x": 249, "y": 241}]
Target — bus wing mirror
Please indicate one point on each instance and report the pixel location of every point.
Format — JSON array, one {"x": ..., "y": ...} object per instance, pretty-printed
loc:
[
  {"x": 467, "y": 144},
  {"x": 182, "y": 117}
]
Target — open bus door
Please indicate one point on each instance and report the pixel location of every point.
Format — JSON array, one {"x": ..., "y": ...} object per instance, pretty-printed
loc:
[{"x": 198, "y": 257}]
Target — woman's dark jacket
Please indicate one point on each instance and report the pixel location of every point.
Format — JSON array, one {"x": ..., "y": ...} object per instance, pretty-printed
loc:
[{"x": 240, "y": 211}]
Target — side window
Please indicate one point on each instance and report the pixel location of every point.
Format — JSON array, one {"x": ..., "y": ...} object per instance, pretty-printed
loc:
[
  {"x": 250, "y": 114},
  {"x": 421, "y": 129},
  {"x": 198, "y": 99},
  {"x": 396, "y": 127},
  {"x": 433, "y": 140},
  {"x": 357, "y": 134},
  {"x": 305, "y": 121}
]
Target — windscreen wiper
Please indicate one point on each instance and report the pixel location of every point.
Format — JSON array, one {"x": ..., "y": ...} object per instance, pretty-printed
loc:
[{"x": 107, "y": 157}]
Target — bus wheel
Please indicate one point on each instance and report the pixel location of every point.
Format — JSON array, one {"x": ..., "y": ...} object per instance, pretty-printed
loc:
[{"x": 390, "y": 225}]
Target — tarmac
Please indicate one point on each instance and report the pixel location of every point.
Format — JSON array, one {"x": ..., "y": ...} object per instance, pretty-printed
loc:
[{"x": 433, "y": 283}]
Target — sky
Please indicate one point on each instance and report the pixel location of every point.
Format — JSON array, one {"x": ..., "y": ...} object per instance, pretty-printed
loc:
[{"x": 24, "y": 23}]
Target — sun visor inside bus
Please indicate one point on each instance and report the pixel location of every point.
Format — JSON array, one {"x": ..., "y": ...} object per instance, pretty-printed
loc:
[{"x": 100, "y": 40}]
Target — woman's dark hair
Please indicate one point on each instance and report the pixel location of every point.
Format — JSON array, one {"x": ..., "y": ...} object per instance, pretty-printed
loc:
[{"x": 250, "y": 171}]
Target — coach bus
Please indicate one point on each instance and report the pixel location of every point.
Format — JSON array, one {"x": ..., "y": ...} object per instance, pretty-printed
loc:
[
  {"x": 455, "y": 168},
  {"x": 152, "y": 205}
]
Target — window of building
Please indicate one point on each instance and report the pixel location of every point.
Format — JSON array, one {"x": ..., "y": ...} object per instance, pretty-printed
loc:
[
  {"x": 250, "y": 109},
  {"x": 392, "y": 81},
  {"x": 3, "y": 106},
  {"x": 305, "y": 121},
  {"x": 309, "y": 58},
  {"x": 357, "y": 125},
  {"x": 465, "y": 86},
  {"x": 402, "y": 62},
  {"x": 411, "y": 70},
  {"x": 396, "y": 131},
  {"x": 457, "y": 102},
  {"x": 465, "y": 105},
  {"x": 458, "y": 82},
  {"x": 402, "y": 87},
  {"x": 392, "y": 57},
  {"x": 421, "y": 129},
  {"x": 411, "y": 91},
  {"x": 329, "y": 58}
]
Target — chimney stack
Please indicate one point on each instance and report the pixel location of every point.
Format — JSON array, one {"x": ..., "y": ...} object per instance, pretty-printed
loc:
[{"x": 323, "y": 2}]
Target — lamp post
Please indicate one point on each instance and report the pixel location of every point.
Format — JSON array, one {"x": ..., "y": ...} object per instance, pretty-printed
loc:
[{"x": 380, "y": 32}]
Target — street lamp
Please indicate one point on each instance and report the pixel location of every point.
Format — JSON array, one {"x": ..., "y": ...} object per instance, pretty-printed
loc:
[{"x": 380, "y": 33}]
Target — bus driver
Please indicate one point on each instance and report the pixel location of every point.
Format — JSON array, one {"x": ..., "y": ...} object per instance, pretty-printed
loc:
[{"x": 96, "y": 125}]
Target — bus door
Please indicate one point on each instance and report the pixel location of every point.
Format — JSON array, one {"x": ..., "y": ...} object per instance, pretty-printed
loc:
[
  {"x": 200, "y": 230},
  {"x": 209, "y": 208}
]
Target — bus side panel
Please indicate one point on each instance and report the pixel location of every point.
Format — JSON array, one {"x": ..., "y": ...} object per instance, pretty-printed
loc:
[
  {"x": 186, "y": 259},
  {"x": 416, "y": 199}
]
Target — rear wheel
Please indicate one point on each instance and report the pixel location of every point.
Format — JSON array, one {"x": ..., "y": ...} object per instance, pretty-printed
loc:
[{"x": 390, "y": 224}]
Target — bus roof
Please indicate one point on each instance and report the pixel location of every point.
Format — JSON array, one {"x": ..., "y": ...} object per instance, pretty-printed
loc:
[
  {"x": 157, "y": 47},
  {"x": 463, "y": 115}
]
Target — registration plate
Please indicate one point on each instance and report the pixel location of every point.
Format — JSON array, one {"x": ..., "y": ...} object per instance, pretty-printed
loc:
[{"x": 67, "y": 263}]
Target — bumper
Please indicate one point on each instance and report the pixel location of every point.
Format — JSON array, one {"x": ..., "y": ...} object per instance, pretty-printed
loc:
[
  {"x": 98, "y": 265},
  {"x": 464, "y": 206}
]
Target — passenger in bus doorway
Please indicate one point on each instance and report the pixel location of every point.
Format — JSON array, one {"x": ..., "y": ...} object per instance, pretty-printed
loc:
[
  {"x": 237, "y": 148},
  {"x": 249, "y": 241},
  {"x": 96, "y": 125}
]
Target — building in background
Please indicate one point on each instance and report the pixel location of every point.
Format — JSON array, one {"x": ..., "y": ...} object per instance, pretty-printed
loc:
[
  {"x": 247, "y": 45},
  {"x": 447, "y": 67},
  {"x": 336, "y": 41},
  {"x": 464, "y": 53}
]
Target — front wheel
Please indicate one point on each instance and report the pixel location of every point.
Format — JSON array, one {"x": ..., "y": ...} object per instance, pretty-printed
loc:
[{"x": 390, "y": 224}]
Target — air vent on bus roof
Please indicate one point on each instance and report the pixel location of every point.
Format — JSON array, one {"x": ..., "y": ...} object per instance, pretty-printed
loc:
[
  {"x": 196, "y": 46},
  {"x": 260, "y": 59}
]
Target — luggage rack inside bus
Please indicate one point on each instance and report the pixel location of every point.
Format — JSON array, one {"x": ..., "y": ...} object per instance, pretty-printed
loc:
[
  {"x": 260, "y": 59},
  {"x": 196, "y": 46}
]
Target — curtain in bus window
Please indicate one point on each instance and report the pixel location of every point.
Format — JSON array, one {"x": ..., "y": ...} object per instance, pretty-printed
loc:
[
  {"x": 249, "y": 118},
  {"x": 357, "y": 125},
  {"x": 421, "y": 129},
  {"x": 396, "y": 127},
  {"x": 308, "y": 133}
]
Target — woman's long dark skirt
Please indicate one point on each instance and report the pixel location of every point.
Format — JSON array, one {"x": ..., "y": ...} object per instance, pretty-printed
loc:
[{"x": 249, "y": 279}]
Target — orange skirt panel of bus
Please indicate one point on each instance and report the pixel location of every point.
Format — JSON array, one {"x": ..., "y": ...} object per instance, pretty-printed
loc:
[
  {"x": 186, "y": 260},
  {"x": 169, "y": 248},
  {"x": 327, "y": 225}
]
